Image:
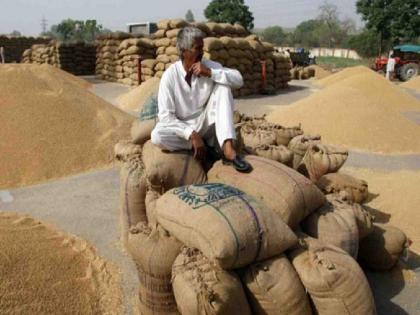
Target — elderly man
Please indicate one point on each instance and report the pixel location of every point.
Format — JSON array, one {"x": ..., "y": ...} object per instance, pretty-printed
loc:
[{"x": 196, "y": 104}]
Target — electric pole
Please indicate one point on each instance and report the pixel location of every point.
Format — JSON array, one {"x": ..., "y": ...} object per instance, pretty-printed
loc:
[{"x": 44, "y": 25}]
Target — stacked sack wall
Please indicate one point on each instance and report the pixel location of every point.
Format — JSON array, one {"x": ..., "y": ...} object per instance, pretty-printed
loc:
[
  {"x": 77, "y": 58},
  {"x": 15, "y": 46}
]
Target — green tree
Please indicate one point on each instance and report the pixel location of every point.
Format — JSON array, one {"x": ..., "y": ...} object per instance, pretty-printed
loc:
[
  {"x": 189, "y": 16},
  {"x": 230, "y": 11},
  {"x": 76, "y": 30},
  {"x": 274, "y": 34},
  {"x": 311, "y": 33},
  {"x": 365, "y": 43},
  {"x": 393, "y": 20}
]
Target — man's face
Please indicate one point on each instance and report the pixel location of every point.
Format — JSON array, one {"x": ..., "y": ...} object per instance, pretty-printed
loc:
[{"x": 195, "y": 54}]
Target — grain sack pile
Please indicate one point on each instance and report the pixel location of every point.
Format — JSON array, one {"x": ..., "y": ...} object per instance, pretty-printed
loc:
[
  {"x": 44, "y": 271},
  {"x": 77, "y": 58},
  {"x": 215, "y": 225},
  {"x": 357, "y": 108},
  {"x": 107, "y": 55},
  {"x": 302, "y": 73},
  {"x": 14, "y": 47},
  {"x": 129, "y": 52},
  {"x": 56, "y": 128}
]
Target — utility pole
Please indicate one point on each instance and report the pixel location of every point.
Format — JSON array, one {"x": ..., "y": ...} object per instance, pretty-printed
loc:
[{"x": 44, "y": 25}]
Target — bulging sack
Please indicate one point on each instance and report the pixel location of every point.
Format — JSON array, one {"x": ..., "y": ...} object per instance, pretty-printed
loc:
[
  {"x": 223, "y": 223},
  {"x": 141, "y": 130},
  {"x": 277, "y": 153},
  {"x": 202, "y": 287},
  {"x": 299, "y": 145},
  {"x": 333, "y": 279},
  {"x": 274, "y": 288},
  {"x": 280, "y": 188},
  {"x": 357, "y": 189},
  {"x": 382, "y": 248},
  {"x": 334, "y": 224},
  {"x": 154, "y": 252},
  {"x": 254, "y": 138},
  {"x": 166, "y": 170},
  {"x": 320, "y": 160}
]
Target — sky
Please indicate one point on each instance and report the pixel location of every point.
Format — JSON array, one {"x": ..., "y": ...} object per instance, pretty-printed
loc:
[{"x": 26, "y": 15}]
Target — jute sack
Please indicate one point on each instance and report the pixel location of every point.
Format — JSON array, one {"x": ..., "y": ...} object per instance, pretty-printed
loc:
[
  {"x": 223, "y": 223},
  {"x": 280, "y": 188},
  {"x": 201, "y": 287},
  {"x": 274, "y": 288},
  {"x": 151, "y": 198},
  {"x": 333, "y": 279},
  {"x": 357, "y": 189},
  {"x": 154, "y": 251},
  {"x": 283, "y": 134},
  {"x": 299, "y": 145},
  {"x": 254, "y": 138},
  {"x": 334, "y": 225},
  {"x": 132, "y": 188},
  {"x": 141, "y": 130},
  {"x": 166, "y": 170},
  {"x": 382, "y": 248},
  {"x": 320, "y": 160},
  {"x": 277, "y": 153}
]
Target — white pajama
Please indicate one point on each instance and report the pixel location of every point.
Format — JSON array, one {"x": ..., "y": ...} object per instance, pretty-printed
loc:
[{"x": 205, "y": 107}]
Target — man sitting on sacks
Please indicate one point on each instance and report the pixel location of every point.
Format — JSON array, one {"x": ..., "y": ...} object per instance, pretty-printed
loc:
[{"x": 196, "y": 104}]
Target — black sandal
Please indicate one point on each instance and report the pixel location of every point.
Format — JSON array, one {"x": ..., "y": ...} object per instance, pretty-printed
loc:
[{"x": 239, "y": 164}]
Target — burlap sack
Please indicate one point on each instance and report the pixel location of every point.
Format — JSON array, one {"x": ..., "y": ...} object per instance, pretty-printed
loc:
[
  {"x": 125, "y": 149},
  {"x": 333, "y": 279},
  {"x": 178, "y": 23},
  {"x": 280, "y": 188},
  {"x": 382, "y": 248},
  {"x": 166, "y": 170},
  {"x": 202, "y": 287},
  {"x": 357, "y": 189},
  {"x": 148, "y": 63},
  {"x": 320, "y": 160},
  {"x": 212, "y": 43},
  {"x": 277, "y": 153},
  {"x": 141, "y": 130},
  {"x": 154, "y": 252},
  {"x": 163, "y": 24},
  {"x": 223, "y": 223},
  {"x": 254, "y": 138},
  {"x": 274, "y": 288},
  {"x": 334, "y": 225},
  {"x": 299, "y": 145}
]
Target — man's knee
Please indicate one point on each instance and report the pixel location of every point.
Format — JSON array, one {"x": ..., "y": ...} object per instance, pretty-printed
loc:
[
  {"x": 155, "y": 137},
  {"x": 223, "y": 89}
]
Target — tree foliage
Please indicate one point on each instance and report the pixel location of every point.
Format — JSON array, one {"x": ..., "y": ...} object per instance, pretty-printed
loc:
[
  {"x": 275, "y": 35},
  {"x": 230, "y": 11},
  {"x": 189, "y": 16},
  {"x": 76, "y": 30},
  {"x": 394, "y": 20}
]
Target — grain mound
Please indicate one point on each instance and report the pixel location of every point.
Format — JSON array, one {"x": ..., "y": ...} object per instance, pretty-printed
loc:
[
  {"x": 395, "y": 194},
  {"x": 414, "y": 83},
  {"x": 320, "y": 72},
  {"x": 135, "y": 99},
  {"x": 362, "y": 112},
  {"x": 345, "y": 74},
  {"x": 43, "y": 271},
  {"x": 52, "y": 127}
]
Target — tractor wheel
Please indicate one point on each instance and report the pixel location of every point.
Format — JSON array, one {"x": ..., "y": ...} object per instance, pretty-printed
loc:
[{"x": 408, "y": 71}]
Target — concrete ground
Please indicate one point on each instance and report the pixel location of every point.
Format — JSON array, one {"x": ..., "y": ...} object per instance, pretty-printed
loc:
[{"x": 87, "y": 205}]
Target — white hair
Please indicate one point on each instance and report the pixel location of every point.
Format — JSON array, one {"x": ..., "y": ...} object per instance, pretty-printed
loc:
[{"x": 186, "y": 37}]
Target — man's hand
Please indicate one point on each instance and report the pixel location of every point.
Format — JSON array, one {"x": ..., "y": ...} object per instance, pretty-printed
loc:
[
  {"x": 198, "y": 146},
  {"x": 199, "y": 69}
]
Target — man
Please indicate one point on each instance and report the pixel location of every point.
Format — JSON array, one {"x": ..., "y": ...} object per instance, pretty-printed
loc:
[
  {"x": 196, "y": 104},
  {"x": 2, "y": 59},
  {"x": 390, "y": 66}
]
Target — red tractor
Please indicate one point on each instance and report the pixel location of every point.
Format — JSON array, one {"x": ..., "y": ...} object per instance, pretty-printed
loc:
[{"x": 407, "y": 62}]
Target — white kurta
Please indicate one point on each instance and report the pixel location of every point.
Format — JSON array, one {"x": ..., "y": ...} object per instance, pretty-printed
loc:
[{"x": 184, "y": 109}]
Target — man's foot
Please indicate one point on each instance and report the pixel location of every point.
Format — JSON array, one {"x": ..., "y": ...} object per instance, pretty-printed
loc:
[{"x": 231, "y": 158}]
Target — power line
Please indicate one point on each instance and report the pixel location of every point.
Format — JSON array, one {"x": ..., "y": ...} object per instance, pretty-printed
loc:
[{"x": 44, "y": 24}]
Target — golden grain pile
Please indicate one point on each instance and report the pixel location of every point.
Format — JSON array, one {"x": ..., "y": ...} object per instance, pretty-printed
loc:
[
  {"x": 414, "y": 83},
  {"x": 359, "y": 108},
  {"x": 55, "y": 128},
  {"x": 77, "y": 58},
  {"x": 44, "y": 271}
]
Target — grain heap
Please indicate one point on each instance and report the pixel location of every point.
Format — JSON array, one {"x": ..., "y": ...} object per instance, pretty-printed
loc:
[
  {"x": 170, "y": 203},
  {"x": 359, "y": 108},
  {"x": 413, "y": 83},
  {"x": 55, "y": 109},
  {"x": 59, "y": 272},
  {"x": 76, "y": 57},
  {"x": 107, "y": 55}
]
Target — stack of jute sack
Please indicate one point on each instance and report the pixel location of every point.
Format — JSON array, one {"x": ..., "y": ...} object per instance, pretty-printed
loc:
[
  {"x": 277, "y": 240},
  {"x": 77, "y": 58},
  {"x": 14, "y": 47},
  {"x": 302, "y": 73},
  {"x": 107, "y": 55},
  {"x": 130, "y": 51}
]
